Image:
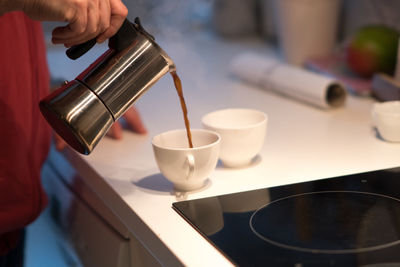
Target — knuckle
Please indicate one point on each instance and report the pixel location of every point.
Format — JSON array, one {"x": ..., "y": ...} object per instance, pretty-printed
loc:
[
  {"x": 69, "y": 15},
  {"x": 105, "y": 25},
  {"x": 124, "y": 11},
  {"x": 80, "y": 4},
  {"x": 120, "y": 10},
  {"x": 81, "y": 29},
  {"x": 94, "y": 30}
]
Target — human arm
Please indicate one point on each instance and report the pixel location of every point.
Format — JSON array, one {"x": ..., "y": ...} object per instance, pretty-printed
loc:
[{"x": 86, "y": 19}]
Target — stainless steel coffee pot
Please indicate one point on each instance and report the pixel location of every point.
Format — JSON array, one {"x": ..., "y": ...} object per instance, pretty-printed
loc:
[{"x": 83, "y": 110}]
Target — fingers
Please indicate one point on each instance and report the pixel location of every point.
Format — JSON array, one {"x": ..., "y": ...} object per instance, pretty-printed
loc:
[
  {"x": 98, "y": 19},
  {"x": 115, "y": 131},
  {"x": 105, "y": 13},
  {"x": 59, "y": 142},
  {"x": 133, "y": 119},
  {"x": 77, "y": 24},
  {"x": 118, "y": 15},
  {"x": 81, "y": 30}
]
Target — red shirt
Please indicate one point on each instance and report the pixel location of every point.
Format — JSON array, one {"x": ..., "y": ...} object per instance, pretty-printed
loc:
[{"x": 24, "y": 134}]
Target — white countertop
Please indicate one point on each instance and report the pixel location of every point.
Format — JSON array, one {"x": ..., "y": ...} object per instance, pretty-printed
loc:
[{"x": 302, "y": 143}]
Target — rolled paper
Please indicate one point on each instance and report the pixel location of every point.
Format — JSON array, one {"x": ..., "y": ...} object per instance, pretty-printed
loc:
[{"x": 300, "y": 84}]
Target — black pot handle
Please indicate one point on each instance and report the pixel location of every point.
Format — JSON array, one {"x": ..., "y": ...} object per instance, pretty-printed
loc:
[
  {"x": 77, "y": 51},
  {"x": 124, "y": 37}
]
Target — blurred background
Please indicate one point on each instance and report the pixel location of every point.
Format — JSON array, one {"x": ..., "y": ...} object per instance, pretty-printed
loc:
[
  {"x": 315, "y": 34},
  {"x": 257, "y": 18}
]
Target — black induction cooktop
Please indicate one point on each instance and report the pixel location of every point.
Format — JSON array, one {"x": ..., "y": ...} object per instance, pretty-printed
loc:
[{"x": 352, "y": 220}]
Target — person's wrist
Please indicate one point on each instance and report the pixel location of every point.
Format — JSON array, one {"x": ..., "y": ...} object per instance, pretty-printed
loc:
[{"x": 10, "y": 5}]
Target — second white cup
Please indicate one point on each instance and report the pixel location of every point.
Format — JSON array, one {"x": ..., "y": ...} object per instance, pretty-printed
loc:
[{"x": 242, "y": 134}]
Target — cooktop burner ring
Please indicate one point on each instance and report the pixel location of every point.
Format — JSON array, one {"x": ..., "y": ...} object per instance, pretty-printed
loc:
[{"x": 378, "y": 199}]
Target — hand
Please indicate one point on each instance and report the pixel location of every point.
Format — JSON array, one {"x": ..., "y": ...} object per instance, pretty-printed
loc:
[
  {"x": 134, "y": 122},
  {"x": 131, "y": 117},
  {"x": 59, "y": 142},
  {"x": 86, "y": 19}
]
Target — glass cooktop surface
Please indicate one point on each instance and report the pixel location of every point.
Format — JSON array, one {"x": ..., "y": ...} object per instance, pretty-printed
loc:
[{"x": 352, "y": 220}]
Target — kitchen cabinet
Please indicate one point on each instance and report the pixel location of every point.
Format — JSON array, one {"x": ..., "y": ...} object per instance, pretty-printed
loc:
[{"x": 88, "y": 230}]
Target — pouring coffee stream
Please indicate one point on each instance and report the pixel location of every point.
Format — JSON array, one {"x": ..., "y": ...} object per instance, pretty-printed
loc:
[
  {"x": 178, "y": 86},
  {"x": 82, "y": 110}
]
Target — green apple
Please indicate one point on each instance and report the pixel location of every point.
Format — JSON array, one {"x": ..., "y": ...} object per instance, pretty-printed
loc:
[{"x": 373, "y": 49}]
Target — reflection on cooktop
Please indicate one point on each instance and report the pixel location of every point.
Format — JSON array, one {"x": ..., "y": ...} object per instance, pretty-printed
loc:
[
  {"x": 368, "y": 222},
  {"x": 351, "y": 220}
]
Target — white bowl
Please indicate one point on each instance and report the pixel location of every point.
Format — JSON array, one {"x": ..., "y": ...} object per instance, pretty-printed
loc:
[
  {"x": 242, "y": 134},
  {"x": 386, "y": 117}
]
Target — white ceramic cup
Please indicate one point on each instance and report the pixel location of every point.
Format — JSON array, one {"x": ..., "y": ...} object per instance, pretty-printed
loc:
[
  {"x": 242, "y": 134},
  {"x": 187, "y": 168},
  {"x": 386, "y": 117}
]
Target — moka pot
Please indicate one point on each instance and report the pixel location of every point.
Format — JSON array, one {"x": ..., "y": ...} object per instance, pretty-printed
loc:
[{"x": 82, "y": 110}]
